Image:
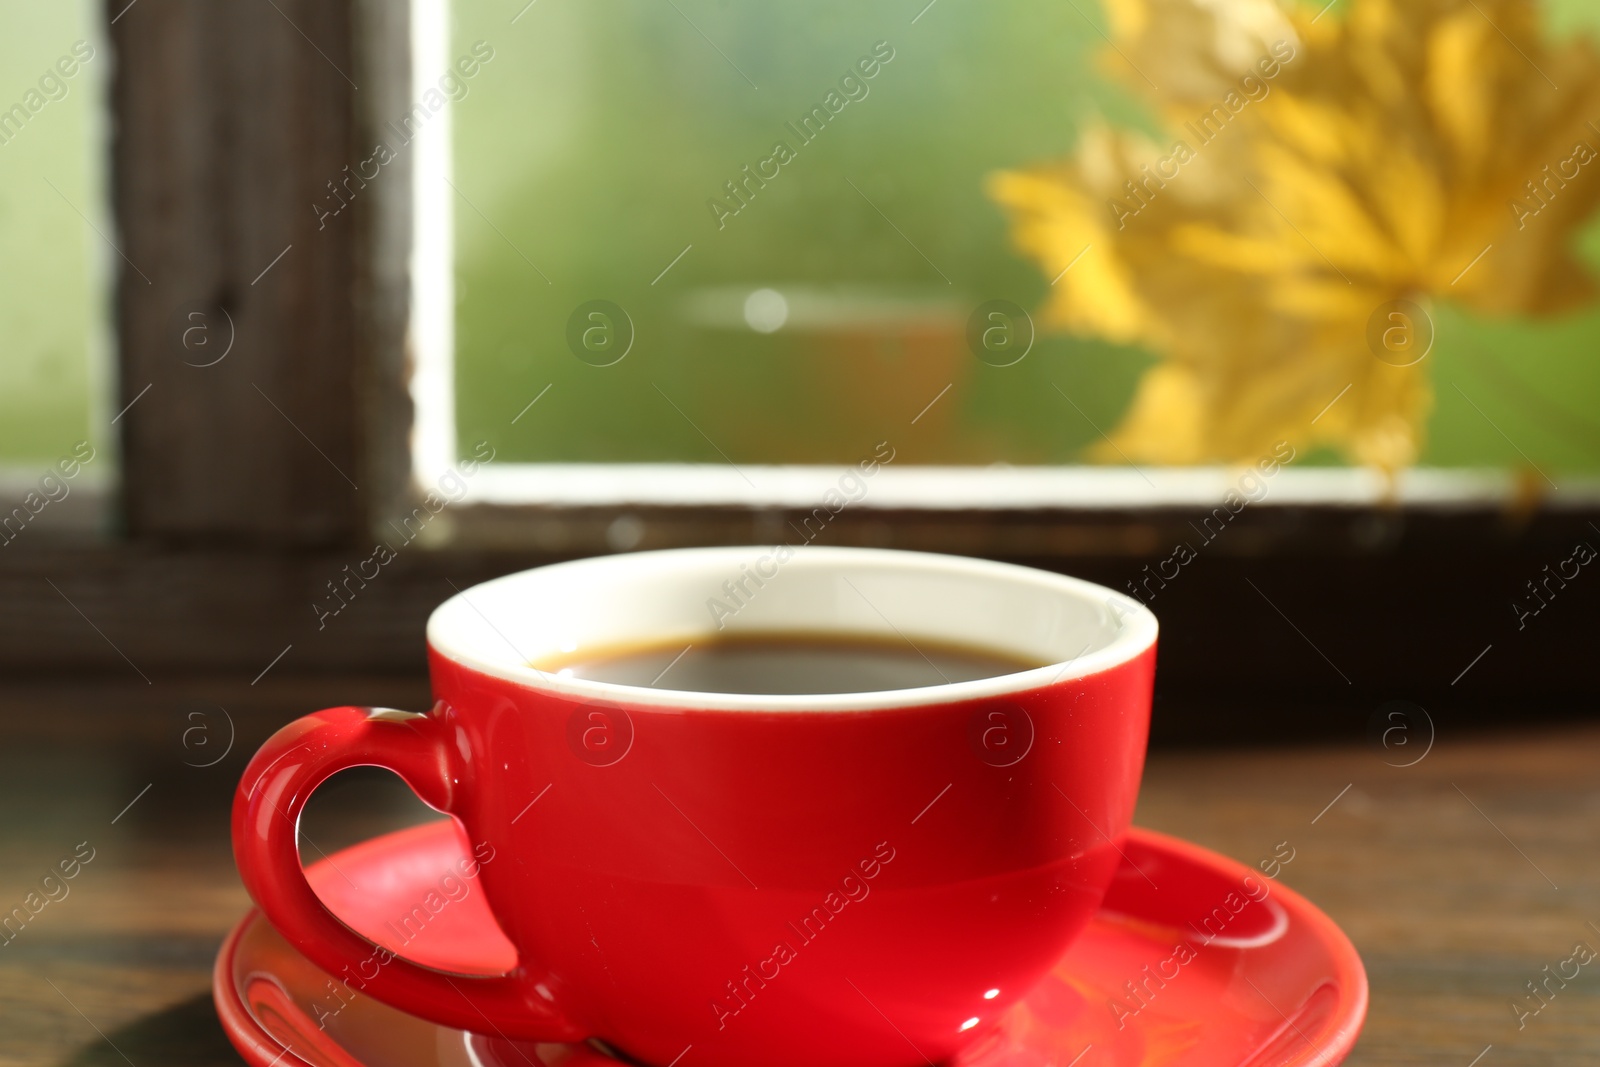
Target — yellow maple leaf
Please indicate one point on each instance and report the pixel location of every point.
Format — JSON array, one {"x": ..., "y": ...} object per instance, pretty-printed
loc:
[{"x": 1320, "y": 180}]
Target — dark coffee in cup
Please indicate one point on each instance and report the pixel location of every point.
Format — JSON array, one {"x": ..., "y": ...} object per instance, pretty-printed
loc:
[{"x": 787, "y": 663}]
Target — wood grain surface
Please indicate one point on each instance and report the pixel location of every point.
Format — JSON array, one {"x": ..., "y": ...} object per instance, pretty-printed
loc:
[
  {"x": 1324, "y": 633},
  {"x": 230, "y": 121},
  {"x": 1445, "y": 874}
]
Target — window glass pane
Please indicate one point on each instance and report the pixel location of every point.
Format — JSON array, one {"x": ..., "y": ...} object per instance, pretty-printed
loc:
[
  {"x": 620, "y": 185},
  {"x": 51, "y": 172}
]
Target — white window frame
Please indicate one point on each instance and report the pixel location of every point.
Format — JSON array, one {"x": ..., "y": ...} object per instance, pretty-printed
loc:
[{"x": 936, "y": 488}]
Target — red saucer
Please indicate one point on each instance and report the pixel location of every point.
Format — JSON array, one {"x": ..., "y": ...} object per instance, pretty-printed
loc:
[{"x": 1183, "y": 964}]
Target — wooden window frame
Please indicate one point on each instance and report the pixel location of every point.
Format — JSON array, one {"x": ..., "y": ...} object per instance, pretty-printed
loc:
[{"x": 238, "y": 507}]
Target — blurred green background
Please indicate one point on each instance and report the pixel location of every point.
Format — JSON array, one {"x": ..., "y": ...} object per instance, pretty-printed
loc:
[
  {"x": 585, "y": 152},
  {"x": 52, "y": 302},
  {"x": 597, "y": 134}
]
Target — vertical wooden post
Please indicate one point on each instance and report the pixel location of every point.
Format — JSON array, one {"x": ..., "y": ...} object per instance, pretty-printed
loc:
[{"x": 250, "y": 267}]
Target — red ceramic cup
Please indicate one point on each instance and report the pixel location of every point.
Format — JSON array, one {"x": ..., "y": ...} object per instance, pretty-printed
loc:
[{"x": 716, "y": 880}]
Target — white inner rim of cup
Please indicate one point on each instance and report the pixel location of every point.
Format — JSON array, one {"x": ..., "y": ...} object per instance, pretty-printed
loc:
[{"x": 668, "y": 597}]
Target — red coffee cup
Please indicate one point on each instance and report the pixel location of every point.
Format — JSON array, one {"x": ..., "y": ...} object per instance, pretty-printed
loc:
[{"x": 723, "y": 880}]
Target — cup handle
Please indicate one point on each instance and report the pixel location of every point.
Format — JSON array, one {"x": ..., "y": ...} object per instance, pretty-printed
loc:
[{"x": 266, "y": 819}]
